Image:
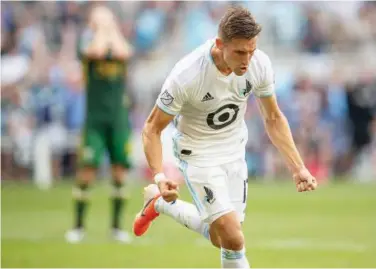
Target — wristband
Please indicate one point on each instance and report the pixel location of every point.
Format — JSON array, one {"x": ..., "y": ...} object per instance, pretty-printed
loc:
[{"x": 158, "y": 177}]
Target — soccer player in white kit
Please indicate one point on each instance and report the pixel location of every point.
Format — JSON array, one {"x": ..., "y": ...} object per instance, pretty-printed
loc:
[{"x": 205, "y": 96}]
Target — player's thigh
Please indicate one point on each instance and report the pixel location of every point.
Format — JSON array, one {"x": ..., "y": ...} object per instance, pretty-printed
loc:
[
  {"x": 119, "y": 145},
  {"x": 92, "y": 146},
  {"x": 238, "y": 186},
  {"x": 208, "y": 189}
]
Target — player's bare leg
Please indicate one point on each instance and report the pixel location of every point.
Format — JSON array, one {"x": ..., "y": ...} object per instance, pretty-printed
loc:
[
  {"x": 85, "y": 176},
  {"x": 214, "y": 237},
  {"x": 228, "y": 228},
  {"x": 118, "y": 203}
]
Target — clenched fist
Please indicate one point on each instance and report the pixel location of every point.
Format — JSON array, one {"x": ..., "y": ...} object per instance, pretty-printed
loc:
[
  {"x": 304, "y": 181},
  {"x": 168, "y": 190}
]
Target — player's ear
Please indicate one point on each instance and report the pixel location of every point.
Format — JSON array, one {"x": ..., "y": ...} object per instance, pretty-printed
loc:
[{"x": 219, "y": 43}]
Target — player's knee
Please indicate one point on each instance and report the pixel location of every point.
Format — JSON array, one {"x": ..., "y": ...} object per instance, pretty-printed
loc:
[
  {"x": 86, "y": 175},
  {"x": 234, "y": 242},
  {"x": 232, "y": 238},
  {"x": 214, "y": 238},
  {"x": 118, "y": 174},
  {"x": 229, "y": 230},
  {"x": 80, "y": 190}
]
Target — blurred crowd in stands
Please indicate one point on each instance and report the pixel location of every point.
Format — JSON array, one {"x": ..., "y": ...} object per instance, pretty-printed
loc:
[{"x": 324, "y": 57}]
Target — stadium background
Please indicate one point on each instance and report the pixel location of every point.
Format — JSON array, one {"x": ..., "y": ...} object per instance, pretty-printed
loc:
[{"x": 324, "y": 57}]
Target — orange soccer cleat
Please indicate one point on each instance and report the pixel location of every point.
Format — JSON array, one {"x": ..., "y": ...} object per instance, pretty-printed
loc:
[{"x": 148, "y": 213}]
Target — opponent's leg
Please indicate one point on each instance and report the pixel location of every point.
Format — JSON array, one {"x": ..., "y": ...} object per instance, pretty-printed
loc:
[
  {"x": 118, "y": 202},
  {"x": 80, "y": 197},
  {"x": 89, "y": 157},
  {"x": 119, "y": 149}
]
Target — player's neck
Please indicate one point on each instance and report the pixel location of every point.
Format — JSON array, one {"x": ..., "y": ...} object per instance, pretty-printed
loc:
[{"x": 219, "y": 62}]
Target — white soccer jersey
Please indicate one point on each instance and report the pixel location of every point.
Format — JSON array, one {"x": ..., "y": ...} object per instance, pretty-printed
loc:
[{"x": 210, "y": 107}]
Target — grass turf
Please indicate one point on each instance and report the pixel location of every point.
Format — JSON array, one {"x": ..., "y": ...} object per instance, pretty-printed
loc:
[{"x": 333, "y": 227}]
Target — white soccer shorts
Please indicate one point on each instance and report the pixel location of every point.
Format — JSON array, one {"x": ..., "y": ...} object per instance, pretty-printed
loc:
[{"x": 218, "y": 190}]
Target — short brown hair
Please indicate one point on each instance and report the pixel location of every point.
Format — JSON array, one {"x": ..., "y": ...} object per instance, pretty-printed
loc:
[{"x": 238, "y": 22}]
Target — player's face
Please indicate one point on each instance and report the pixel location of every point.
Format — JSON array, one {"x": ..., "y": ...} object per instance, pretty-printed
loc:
[{"x": 237, "y": 53}]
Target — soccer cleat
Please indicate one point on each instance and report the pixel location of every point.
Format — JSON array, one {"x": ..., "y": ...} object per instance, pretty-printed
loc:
[
  {"x": 144, "y": 218},
  {"x": 74, "y": 236},
  {"x": 121, "y": 236}
]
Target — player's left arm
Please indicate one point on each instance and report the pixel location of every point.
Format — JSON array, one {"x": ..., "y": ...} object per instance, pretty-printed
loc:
[
  {"x": 279, "y": 132},
  {"x": 278, "y": 129}
]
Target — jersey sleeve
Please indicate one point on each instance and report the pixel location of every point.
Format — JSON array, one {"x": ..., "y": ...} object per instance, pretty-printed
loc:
[
  {"x": 172, "y": 97},
  {"x": 266, "y": 81}
]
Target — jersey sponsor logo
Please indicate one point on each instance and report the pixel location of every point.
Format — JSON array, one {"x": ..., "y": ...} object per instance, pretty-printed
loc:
[
  {"x": 166, "y": 98},
  {"x": 109, "y": 69},
  {"x": 207, "y": 97},
  {"x": 209, "y": 195},
  {"x": 223, "y": 116},
  {"x": 248, "y": 88}
]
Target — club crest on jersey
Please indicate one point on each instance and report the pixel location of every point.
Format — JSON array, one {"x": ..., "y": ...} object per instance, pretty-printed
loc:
[
  {"x": 166, "y": 98},
  {"x": 248, "y": 88},
  {"x": 209, "y": 195}
]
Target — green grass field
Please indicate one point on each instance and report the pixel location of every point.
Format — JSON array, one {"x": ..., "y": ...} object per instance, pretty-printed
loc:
[{"x": 332, "y": 227}]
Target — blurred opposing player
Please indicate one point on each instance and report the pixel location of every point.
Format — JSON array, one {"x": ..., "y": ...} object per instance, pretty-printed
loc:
[
  {"x": 103, "y": 52},
  {"x": 205, "y": 96}
]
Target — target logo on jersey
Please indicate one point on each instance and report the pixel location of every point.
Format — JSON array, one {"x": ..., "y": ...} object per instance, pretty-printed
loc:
[{"x": 223, "y": 116}]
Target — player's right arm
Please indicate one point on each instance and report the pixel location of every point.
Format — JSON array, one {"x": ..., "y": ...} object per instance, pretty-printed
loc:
[
  {"x": 168, "y": 105},
  {"x": 151, "y": 138}
]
